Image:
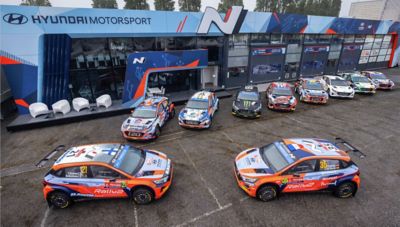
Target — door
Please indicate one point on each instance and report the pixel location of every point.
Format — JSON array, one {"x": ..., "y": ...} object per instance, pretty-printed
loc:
[
  {"x": 329, "y": 172},
  {"x": 209, "y": 77},
  {"x": 313, "y": 60},
  {"x": 113, "y": 184},
  {"x": 300, "y": 177}
]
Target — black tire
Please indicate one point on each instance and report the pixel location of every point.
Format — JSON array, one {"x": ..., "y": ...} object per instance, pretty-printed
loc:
[
  {"x": 157, "y": 131},
  {"x": 172, "y": 114},
  {"x": 142, "y": 196},
  {"x": 345, "y": 190},
  {"x": 267, "y": 193},
  {"x": 59, "y": 199}
]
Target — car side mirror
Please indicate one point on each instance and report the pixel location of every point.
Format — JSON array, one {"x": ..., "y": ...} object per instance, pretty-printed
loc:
[
  {"x": 296, "y": 175},
  {"x": 112, "y": 180}
]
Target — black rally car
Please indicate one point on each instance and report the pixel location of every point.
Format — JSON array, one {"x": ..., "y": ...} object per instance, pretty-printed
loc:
[{"x": 247, "y": 103}]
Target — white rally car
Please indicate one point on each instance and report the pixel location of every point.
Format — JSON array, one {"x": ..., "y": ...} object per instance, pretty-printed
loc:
[
  {"x": 336, "y": 86},
  {"x": 199, "y": 110}
]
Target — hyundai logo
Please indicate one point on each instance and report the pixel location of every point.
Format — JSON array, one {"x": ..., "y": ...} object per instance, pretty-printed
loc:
[{"x": 15, "y": 18}]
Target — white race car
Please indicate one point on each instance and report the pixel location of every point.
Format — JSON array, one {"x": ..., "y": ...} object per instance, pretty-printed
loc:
[{"x": 336, "y": 86}]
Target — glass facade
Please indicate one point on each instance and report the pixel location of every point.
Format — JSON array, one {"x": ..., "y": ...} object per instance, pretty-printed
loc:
[{"x": 97, "y": 65}]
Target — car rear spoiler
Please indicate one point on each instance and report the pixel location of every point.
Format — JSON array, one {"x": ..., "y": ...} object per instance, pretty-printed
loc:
[
  {"x": 350, "y": 147},
  {"x": 50, "y": 155}
]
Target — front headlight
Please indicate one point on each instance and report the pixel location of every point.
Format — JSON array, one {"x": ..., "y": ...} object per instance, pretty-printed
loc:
[
  {"x": 234, "y": 106},
  {"x": 249, "y": 180},
  {"x": 258, "y": 108},
  {"x": 163, "y": 180},
  {"x": 291, "y": 100}
]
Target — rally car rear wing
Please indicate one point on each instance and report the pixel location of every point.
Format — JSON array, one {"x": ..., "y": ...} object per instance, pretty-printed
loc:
[
  {"x": 350, "y": 148},
  {"x": 50, "y": 155}
]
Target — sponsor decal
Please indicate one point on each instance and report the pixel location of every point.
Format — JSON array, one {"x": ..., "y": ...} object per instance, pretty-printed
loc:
[
  {"x": 300, "y": 185},
  {"x": 229, "y": 25},
  {"x": 74, "y": 194},
  {"x": 108, "y": 191},
  {"x": 139, "y": 60},
  {"x": 15, "y": 18}
]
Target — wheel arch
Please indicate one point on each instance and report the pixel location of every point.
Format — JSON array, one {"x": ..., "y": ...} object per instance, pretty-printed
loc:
[
  {"x": 145, "y": 187},
  {"x": 271, "y": 184}
]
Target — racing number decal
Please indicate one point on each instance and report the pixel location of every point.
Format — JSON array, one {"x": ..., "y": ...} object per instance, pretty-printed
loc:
[
  {"x": 83, "y": 171},
  {"x": 323, "y": 165}
]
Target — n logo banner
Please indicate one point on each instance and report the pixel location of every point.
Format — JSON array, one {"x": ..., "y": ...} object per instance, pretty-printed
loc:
[{"x": 229, "y": 25}]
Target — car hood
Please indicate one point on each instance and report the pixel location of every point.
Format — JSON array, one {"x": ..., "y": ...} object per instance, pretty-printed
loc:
[
  {"x": 247, "y": 104},
  {"x": 364, "y": 84},
  {"x": 138, "y": 123},
  {"x": 250, "y": 163},
  {"x": 280, "y": 99},
  {"x": 382, "y": 81},
  {"x": 193, "y": 114},
  {"x": 154, "y": 166},
  {"x": 316, "y": 92},
  {"x": 341, "y": 88}
]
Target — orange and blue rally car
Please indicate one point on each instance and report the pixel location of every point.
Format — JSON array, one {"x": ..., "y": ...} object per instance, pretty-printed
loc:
[
  {"x": 298, "y": 165},
  {"x": 107, "y": 171}
]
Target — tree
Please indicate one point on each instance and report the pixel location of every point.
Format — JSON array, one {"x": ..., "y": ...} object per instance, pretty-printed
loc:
[
  {"x": 168, "y": 5},
  {"x": 136, "y": 4},
  {"x": 110, "y": 4},
  {"x": 224, "y": 5},
  {"x": 189, "y": 5},
  {"x": 312, "y": 7},
  {"x": 35, "y": 3}
]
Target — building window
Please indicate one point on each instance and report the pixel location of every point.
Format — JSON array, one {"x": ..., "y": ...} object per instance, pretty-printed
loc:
[
  {"x": 276, "y": 38},
  {"x": 359, "y": 38},
  {"x": 260, "y": 39},
  {"x": 235, "y": 72},
  {"x": 349, "y": 38},
  {"x": 324, "y": 38},
  {"x": 292, "y": 38},
  {"x": 310, "y": 38}
]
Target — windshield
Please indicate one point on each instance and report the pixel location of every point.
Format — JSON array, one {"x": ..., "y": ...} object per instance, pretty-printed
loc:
[
  {"x": 144, "y": 113},
  {"x": 128, "y": 159},
  {"x": 378, "y": 76},
  {"x": 247, "y": 95},
  {"x": 274, "y": 158},
  {"x": 196, "y": 104},
  {"x": 360, "y": 79},
  {"x": 313, "y": 85},
  {"x": 282, "y": 91},
  {"x": 339, "y": 83}
]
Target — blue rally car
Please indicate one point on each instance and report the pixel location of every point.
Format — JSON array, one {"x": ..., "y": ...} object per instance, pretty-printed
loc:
[{"x": 199, "y": 110}]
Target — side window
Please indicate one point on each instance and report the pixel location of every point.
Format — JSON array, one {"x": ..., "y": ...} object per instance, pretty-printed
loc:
[
  {"x": 76, "y": 172},
  {"x": 303, "y": 167},
  {"x": 104, "y": 172},
  {"x": 164, "y": 105},
  {"x": 329, "y": 164}
]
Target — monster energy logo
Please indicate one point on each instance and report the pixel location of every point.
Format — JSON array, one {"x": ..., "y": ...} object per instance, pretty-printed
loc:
[{"x": 247, "y": 103}]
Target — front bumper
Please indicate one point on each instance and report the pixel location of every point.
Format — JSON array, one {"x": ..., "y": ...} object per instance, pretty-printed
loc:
[
  {"x": 365, "y": 90},
  {"x": 139, "y": 135},
  {"x": 341, "y": 94},
  {"x": 250, "y": 190},
  {"x": 315, "y": 99},
  {"x": 198, "y": 125},
  {"x": 385, "y": 86},
  {"x": 246, "y": 113},
  {"x": 159, "y": 192},
  {"x": 282, "y": 106}
]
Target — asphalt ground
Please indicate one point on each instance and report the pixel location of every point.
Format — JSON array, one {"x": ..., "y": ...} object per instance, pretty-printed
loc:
[{"x": 204, "y": 191}]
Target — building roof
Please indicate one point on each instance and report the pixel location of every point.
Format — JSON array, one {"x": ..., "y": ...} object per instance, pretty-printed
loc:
[
  {"x": 90, "y": 153},
  {"x": 305, "y": 147}
]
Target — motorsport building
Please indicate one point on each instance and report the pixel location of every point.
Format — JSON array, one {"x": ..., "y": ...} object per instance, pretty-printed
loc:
[{"x": 48, "y": 53}]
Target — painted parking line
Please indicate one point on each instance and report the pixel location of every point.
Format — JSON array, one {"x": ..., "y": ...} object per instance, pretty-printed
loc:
[
  {"x": 201, "y": 176},
  {"x": 44, "y": 219}
]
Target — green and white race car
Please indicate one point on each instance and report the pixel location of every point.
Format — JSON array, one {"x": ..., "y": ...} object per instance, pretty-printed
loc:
[{"x": 360, "y": 83}]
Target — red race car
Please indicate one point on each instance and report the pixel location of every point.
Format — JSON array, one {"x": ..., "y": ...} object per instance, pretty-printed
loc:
[{"x": 280, "y": 96}]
